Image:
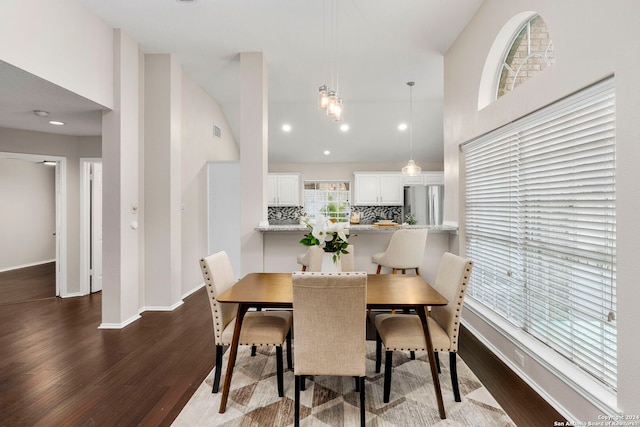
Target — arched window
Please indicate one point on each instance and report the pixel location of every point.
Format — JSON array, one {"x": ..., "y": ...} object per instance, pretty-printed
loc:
[
  {"x": 522, "y": 49},
  {"x": 531, "y": 52}
]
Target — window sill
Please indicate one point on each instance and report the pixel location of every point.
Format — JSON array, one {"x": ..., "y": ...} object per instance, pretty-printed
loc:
[{"x": 589, "y": 388}]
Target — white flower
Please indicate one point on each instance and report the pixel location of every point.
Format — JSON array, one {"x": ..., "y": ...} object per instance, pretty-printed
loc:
[
  {"x": 319, "y": 230},
  {"x": 328, "y": 235}
]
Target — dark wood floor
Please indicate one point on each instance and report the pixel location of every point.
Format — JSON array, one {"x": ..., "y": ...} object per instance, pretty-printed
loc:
[
  {"x": 57, "y": 368},
  {"x": 28, "y": 284}
]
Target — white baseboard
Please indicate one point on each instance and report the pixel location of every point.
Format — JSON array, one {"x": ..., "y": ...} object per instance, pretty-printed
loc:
[
  {"x": 31, "y": 264},
  {"x": 72, "y": 295},
  {"x": 161, "y": 307},
  {"x": 119, "y": 325}
]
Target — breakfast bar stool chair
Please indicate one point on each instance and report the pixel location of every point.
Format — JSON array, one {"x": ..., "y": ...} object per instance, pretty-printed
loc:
[
  {"x": 259, "y": 328},
  {"x": 303, "y": 259},
  {"x": 405, "y": 251},
  {"x": 404, "y": 332},
  {"x": 330, "y": 331}
]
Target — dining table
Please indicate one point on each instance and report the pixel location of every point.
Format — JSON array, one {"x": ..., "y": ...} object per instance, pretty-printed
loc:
[{"x": 384, "y": 291}]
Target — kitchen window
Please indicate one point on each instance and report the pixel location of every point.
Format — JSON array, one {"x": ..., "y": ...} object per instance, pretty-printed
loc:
[{"x": 328, "y": 198}]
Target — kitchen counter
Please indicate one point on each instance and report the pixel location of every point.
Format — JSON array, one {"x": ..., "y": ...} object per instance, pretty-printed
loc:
[
  {"x": 281, "y": 245},
  {"x": 357, "y": 228}
]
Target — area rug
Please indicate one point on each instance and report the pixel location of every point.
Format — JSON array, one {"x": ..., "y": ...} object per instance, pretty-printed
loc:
[{"x": 332, "y": 401}]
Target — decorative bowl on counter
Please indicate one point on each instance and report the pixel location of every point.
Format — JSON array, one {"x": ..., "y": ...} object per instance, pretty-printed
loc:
[{"x": 386, "y": 223}]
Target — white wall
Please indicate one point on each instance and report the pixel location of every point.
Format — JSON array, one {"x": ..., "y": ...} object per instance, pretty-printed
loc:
[
  {"x": 27, "y": 216},
  {"x": 592, "y": 39},
  {"x": 199, "y": 113},
  {"x": 71, "y": 147},
  {"x": 59, "y": 41}
]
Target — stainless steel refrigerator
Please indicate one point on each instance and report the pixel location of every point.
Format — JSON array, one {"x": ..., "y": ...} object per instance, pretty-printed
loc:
[{"x": 425, "y": 203}]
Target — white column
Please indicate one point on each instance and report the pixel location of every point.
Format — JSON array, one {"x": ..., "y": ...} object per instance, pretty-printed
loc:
[
  {"x": 253, "y": 156},
  {"x": 120, "y": 142},
  {"x": 162, "y": 194}
]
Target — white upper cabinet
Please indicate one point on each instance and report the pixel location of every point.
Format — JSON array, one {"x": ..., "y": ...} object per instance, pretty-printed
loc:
[
  {"x": 412, "y": 180},
  {"x": 424, "y": 178},
  {"x": 433, "y": 178},
  {"x": 378, "y": 189},
  {"x": 283, "y": 189}
]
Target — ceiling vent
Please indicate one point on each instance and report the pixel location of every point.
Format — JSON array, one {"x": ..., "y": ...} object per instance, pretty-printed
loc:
[{"x": 217, "y": 132}]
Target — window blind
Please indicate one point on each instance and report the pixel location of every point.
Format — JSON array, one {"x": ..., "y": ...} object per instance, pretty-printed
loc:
[{"x": 541, "y": 229}]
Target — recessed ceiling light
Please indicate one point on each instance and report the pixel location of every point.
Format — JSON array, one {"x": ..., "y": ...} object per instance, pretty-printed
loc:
[
  {"x": 56, "y": 123},
  {"x": 41, "y": 113},
  {"x": 49, "y": 163},
  {"x": 326, "y": 152},
  {"x": 402, "y": 126},
  {"x": 344, "y": 127},
  {"x": 286, "y": 127}
]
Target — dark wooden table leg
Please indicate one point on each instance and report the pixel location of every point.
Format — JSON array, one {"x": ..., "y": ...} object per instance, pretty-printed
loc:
[
  {"x": 432, "y": 360},
  {"x": 233, "y": 352}
]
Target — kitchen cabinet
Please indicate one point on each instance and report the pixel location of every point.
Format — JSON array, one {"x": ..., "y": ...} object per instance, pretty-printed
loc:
[
  {"x": 283, "y": 189},
  {"x": 412, "y": 180},
  {"x": 424, "y": 178},
  {"x": 378, "y": 189},
  {"x": 433, "y": 178}
]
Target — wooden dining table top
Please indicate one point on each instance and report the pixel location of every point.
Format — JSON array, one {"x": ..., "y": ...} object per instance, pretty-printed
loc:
[{"x": 383, "y": 291}]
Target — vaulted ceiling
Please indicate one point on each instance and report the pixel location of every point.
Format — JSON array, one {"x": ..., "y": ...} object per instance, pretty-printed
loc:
[{"x": 379, "y": 47}]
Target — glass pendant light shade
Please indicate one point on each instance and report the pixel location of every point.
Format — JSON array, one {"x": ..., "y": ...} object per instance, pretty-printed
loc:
[
  {"x": 411, "y": 169},
  {"x": 323, "y": 97},
  {"x": 338, "y": 110},
  {"x": 331, "y": 104},
  {"x": 328, "y": 96}
]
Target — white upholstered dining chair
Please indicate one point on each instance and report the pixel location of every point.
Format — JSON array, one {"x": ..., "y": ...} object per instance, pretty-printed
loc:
[
  {"x": 330, "y": 329},
  {"x": 405, "y": 251},
  {"x": 404, "y": 332},
  {"x": 259, "y": 328}
]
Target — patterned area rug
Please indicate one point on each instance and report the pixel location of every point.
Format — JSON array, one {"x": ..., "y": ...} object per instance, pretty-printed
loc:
[{"x": 332, "y": 401}]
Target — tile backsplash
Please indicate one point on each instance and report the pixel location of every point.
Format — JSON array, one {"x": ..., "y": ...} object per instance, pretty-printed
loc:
[
  {"x": 371, "y": 213},
  {"x": 284, "y": 213},
  {"x": 290, "y": 214}
]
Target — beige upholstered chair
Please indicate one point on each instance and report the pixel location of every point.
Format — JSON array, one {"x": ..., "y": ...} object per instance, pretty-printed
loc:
[
  {"x": 259, "y": 328},
  {"x": 330, "y": 329},
  {"x": 405, "y": 251},
  {"x": 312, "y": 259},
  {"x": 404, "y": 332},
  {"x": 303, "y": 259}
]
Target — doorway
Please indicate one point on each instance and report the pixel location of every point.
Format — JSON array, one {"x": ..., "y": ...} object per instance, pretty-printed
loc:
[
  {"x": 60, "y": 196},
  {"x": 90, "y": 225}
]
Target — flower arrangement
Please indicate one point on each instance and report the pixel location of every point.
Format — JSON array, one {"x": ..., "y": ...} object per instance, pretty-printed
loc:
[
  {"x": 328, "y": 234},
  {"x": 409, "y": 219}
]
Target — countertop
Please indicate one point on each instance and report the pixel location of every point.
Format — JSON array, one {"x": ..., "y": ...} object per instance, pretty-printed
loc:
[{"x": 358, "y": 228}]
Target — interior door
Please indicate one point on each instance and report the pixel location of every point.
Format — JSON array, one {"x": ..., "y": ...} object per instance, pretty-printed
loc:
[{"x": 96, "y": 228}]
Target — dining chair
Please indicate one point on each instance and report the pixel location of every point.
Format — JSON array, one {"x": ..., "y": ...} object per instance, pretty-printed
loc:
[
  {"x": 259, "y": 328},
  {"x": 330, "y": 329},
  {"x": 404, "y": 332},
  {"x": 405, "y": 251}
]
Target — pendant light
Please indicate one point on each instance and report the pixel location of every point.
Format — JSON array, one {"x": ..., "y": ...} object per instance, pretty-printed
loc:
[
  {"x": 328, "y": 98},
  {"x": 411, "y": 169}
]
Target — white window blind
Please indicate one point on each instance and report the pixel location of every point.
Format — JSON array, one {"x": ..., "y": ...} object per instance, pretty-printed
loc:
[{"x": 541, "y": 226}]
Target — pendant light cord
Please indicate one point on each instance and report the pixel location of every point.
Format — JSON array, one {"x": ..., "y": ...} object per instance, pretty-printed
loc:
[{"x": 410, "y": 84}]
